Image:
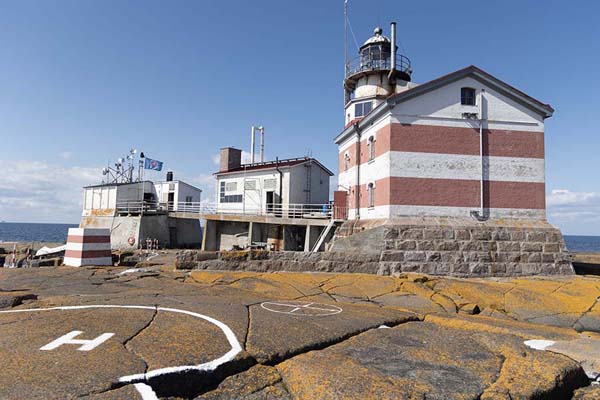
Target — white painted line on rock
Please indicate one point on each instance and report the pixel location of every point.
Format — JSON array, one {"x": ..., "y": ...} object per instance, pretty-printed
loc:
[
  {"x": 309, "y": 309},
  {"x": 69, "y": 338},
  {"x": 133, "y": 270},
  {"x": 145, "y": 391},
  {"x": 539, "y": 344},
  {"x": 208, "y": 366}
]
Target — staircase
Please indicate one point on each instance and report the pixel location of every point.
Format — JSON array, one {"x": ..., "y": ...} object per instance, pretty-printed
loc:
[{"x": 323, "y": 235}]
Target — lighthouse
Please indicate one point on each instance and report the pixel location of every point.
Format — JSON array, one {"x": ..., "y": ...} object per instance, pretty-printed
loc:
[
  {"x": 378, "y": 72},
  {"x": 431, "y": 171}
]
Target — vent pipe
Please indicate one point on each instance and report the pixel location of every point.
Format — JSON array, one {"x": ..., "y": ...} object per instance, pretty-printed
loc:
[
  {"x": 393, "y": 51},
  {"x": 252, "y": 145},
  {"x": 262, "y": 143}
]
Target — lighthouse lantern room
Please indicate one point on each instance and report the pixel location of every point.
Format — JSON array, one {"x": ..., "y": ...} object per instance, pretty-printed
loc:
[{"x": 374, "y": 75}]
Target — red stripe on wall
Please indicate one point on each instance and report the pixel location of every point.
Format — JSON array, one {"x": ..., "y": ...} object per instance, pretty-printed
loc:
[
  {"x": 88, "y": 253},
  {"x": 447, "y": 140},
  {"x": 88, "y": 239},
  {"x": 451, "y": 140},
  {"x": 455, "y": 193}
]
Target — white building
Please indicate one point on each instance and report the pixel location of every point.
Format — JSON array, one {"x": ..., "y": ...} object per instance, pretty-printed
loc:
[
  {"x": 115, "y": 198},
  {"x": 134, "y": 212},
  {"x": 270, "y": 187}
]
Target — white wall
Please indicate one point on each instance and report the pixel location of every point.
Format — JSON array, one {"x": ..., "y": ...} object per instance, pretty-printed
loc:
[
  {"x": 442, "y": 107},
  {"x": 180, "y": 191},
  {"x": 293, "y": 186},
  {"x": 253, "y": 199}
]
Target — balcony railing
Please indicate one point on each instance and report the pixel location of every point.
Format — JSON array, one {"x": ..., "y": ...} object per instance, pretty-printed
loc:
[
  {"x": 375, "y": 62},
  {"x": 307, "y": 211}
]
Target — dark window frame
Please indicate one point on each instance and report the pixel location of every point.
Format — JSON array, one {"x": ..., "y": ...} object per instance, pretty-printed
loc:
[
  {"x": 468, "y": 96},
  {"x": 233, "y": 198},
  {"x": 363, "y": 108}
]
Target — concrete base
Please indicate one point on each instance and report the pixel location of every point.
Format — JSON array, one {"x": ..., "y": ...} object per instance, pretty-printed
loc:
[{"x": 128, "y": 232}]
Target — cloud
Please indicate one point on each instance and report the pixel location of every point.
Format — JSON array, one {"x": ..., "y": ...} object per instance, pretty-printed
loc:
[
  {"x": 207, "y": 183},
  {"x": 40, "y": 192},
  {"x": 333, "y": 185},
  {"x": 565, "y": 205},
  {"x": 65, "y": 155}
]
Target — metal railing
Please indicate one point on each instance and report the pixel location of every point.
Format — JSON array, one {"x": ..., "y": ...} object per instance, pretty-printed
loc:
[
  {"x": 377, "y": 62},
  {"x": 316, "y": 211}
]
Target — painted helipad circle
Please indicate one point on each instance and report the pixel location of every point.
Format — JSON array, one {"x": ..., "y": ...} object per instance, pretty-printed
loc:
[
  {"x": 301, "y": 308},
  {"x": 207, "y": 366}
]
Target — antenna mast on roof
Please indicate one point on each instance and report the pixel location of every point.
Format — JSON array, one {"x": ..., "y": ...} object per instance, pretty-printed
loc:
[{"x": 122, "y": 172}]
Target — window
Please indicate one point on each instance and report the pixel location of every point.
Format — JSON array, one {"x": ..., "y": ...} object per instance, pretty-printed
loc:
[
  {"x": 346, "y": 161},
  {"x": 362, "y": 109},
  {"x": 467, "y": 96},
  {"x": 236, "y": 198},
  {"x": 371, "y": 190},
  {"x": 230, "y": 186},
  {"x": 371, "y": 145},
  {"x": 188, "y": 200},
  {"x": 270, "y": 183},
  {"x": 250, "y": 184}
]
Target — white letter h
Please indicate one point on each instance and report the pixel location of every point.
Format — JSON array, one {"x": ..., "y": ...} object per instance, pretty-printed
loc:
[{"x": 69, "y": 338}]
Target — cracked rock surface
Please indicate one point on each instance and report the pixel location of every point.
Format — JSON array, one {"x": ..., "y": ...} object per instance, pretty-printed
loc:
[{"x": 300, "y": 335}]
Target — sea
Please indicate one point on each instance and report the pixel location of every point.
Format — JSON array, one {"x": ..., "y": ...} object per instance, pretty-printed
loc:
[
  {"x": 31, "y": 232},
  {"x": 57, "y": 233}
]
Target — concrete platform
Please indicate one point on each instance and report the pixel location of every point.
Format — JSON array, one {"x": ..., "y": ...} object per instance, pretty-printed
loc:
[{"x": 115, "y": 333}]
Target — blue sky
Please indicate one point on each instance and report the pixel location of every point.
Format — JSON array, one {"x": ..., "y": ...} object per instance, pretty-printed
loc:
[{"x": 83, "y": 81}]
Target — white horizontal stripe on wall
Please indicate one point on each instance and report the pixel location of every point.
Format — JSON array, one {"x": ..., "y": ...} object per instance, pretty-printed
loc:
[
  {"x": 88, "y": 246},
  {"x": 465, "y": 123},
  {"x": 78, "y": 262},
  {"x": 89, "y": 232},
  {"x": 387, "y": 211},
  {"x": 467, "y": 167},
  {"x": 446, "y": 166}
]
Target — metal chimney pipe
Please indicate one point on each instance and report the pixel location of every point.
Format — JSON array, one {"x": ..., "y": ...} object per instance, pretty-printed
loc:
[
  {"x": 252, "y": 146},
  {"x": 262, "y": 143},
  {"x": 393, "y": 50}
]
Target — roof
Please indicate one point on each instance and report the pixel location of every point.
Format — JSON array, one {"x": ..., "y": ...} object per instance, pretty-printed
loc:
[
  {"x": 376, "y": 38},
  {"x": 137, "y": 183},
  {"x": 181, "y": 182},
  {"x": 500, "y": 86},
  {"x": 290, "y": 162},
  {"x": 115, "y": 184}
]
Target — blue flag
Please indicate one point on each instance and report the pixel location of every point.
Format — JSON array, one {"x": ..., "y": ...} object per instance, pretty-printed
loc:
[{"x": 152, "y": 164}]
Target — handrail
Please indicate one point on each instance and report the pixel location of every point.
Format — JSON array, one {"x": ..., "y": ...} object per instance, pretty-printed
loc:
[
  {"x": 377, "y": 62},
  {"x": 316, "y": 211}
]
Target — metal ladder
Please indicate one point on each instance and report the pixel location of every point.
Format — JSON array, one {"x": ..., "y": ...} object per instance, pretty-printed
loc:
[
  {"x": 322, "y": 236},
  {"x": 307, "y": 186}
]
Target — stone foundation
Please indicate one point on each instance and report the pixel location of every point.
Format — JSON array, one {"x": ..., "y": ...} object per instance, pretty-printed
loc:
[
  {"x": 435, "y": 246},
  {"x": 459, "y": 247}
]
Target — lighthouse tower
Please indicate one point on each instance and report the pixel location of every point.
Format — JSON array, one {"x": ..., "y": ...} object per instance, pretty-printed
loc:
[{"x": 374, "y": 75}]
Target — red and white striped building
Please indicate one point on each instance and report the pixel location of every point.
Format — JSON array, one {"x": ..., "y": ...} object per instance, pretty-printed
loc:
[{"x": 463, "y": 145}]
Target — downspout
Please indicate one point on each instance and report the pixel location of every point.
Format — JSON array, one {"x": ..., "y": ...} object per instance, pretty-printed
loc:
[
  {"x": 481, "y": 119},
  {"x": 357, "y": 189},
  {"x": 252, "y": 134},
  {"x": 280, "y": 180}
]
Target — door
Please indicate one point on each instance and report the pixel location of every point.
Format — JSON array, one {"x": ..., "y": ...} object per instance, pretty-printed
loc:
[
  {"x": 173, "y": 237},
  {"x": 270, "y": 199},
  {"x": 171, "y": 201}
]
